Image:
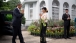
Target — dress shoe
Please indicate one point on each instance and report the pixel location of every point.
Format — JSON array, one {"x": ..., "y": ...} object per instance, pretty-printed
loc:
[
  {"x": 13, "y": 42},
  {"x": 23, "y": 42},
  {"x": 69, "y": 38},
  {"x": 65, "y": 38}
]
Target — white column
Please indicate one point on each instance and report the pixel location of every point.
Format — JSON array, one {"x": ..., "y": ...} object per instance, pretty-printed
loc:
[
  {"x": 26, "y": 12},
  {"x": 70, "y": 10},
  {"x": 37, "y": 10},
  {"x": 50, "y": 8},
  {"x": 60, "y": 11},
  {"x": 34, "y": 13}
]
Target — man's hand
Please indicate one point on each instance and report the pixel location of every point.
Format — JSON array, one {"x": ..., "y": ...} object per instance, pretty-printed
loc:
[
  {"x": 22, "y": 11},
  {"x": 68, "y": 18}
]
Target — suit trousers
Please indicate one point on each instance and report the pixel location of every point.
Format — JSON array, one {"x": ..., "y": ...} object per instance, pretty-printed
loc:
[
  {"x": 43, "y": 33},
  {"x": 17, "y": 32},
  {"x": 66, "y": 31}
]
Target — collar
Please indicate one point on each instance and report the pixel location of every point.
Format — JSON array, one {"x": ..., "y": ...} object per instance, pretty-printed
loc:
[
  {"x": 18, "y": 8},
  {"x": 66, "y": 13}
]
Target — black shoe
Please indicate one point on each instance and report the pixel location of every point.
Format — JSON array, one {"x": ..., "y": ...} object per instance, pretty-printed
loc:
[
  {"x": 69, "y": 38},
  {"x": 23, "y": 42},
  {"x": 65, "y": 38},
  {"x": 13, "y": 42}
]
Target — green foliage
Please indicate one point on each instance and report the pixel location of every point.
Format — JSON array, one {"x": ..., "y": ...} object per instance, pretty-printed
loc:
[
  {"x": 13, "y": 3},
  {"x": 23, "y": 20},
  {"x": 1, "y": 2},
  {"x": 58, "y": 31},
  {"x": 55, "y": 24},
  {"x": 5, "y": 6},
  {"x": 72, "y": 23},
  {"x": 50, "y": 22},
  {"x": 31, "y": 28},
  {"x": 61, "y": 23},
  {"x": 10, "y": 5},
  {"x": 9, "y": 17}
]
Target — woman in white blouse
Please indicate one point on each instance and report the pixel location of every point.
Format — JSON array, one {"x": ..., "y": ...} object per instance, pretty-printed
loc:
[{"x": 44, "y": 18}]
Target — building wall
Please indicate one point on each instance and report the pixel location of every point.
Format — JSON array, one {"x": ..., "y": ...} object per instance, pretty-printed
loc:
[
  {"x": 61, "y": 2},
  {"x": 48, "y": 3}
]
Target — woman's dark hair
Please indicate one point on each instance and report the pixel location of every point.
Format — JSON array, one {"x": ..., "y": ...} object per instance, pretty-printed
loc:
[{"x": 45, "y": 9}]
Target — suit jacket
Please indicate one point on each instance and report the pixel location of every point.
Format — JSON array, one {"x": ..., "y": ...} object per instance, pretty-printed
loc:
[
  {"x": 66, "y": 22},
  {"x": 17, "y": 16},
  {"x": 75, "y": 20}
]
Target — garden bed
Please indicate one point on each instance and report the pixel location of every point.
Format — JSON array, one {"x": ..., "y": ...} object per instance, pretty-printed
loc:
[
  {"x": 54, "y": 30},
  {"x": 56, "y": 33}
]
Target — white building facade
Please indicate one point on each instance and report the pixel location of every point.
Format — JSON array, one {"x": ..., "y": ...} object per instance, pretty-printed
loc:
[{"x": 56, "y": 8}]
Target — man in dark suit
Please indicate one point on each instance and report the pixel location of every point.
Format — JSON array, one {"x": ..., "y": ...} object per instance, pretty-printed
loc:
[
  {"x": 66, "y": 18},
  {"x": 17, "y": 16}
]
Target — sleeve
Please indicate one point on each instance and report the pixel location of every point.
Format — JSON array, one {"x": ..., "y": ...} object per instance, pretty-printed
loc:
[
  {"x": 63, "y": 18},
  {"x": 17, "y": 14}
]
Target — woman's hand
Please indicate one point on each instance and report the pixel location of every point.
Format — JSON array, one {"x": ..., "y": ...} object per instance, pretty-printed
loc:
[{"x": 40, "y": 14}]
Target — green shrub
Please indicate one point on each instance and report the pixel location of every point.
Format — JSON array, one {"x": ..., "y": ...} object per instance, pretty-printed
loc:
[
  {"x": 31, "y": 28},
  {"x": 50, "y": 22},
  {"x": 61, "y": 23},
  {"x": 23, "y": 20},
  {"x": 37, "y": 31},
  {"x": 59, "y": 32},
  {"x": 9, "y": 17},
  {"x": 35, "y": 28},
  {"x": 72, "y": 23}
]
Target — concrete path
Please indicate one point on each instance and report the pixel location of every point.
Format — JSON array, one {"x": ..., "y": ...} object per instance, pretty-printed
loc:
[{"x": 35, "y": 39}]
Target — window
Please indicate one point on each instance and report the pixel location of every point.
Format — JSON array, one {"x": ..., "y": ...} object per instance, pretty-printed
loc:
[
  {"x": 55, "y": 10},
  {"x": 31, "y": 13},
  {"x": 31, "y": 10},
  {"x": 42, "y": 4},
  {"x": 65, "y": 6}
]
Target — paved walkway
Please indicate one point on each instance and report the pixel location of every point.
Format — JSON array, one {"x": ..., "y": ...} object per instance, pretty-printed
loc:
[{"x": 35, "y": 39}]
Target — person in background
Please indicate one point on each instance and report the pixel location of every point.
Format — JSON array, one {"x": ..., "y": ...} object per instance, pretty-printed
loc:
[
  {"x": 75, "y": 26},
  {"x": 44, "y": 17},
  {"x": 16, "y": 22},
  {"x": 66, "y": 18}
]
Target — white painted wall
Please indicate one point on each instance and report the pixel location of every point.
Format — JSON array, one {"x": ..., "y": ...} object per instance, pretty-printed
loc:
[
  {"x": 70, "y": 2},
  {"x": 36, "y": 9}
]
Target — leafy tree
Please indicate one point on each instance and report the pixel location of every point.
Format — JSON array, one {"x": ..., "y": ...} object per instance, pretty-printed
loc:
[
  {"x": 1, "y": 1},
  {"x": 13, "y": 3},
  {"x": 5, "y": 6}
]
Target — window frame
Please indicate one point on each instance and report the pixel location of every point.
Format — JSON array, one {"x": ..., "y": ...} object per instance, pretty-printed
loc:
[{"x": 30, "y": 8}]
